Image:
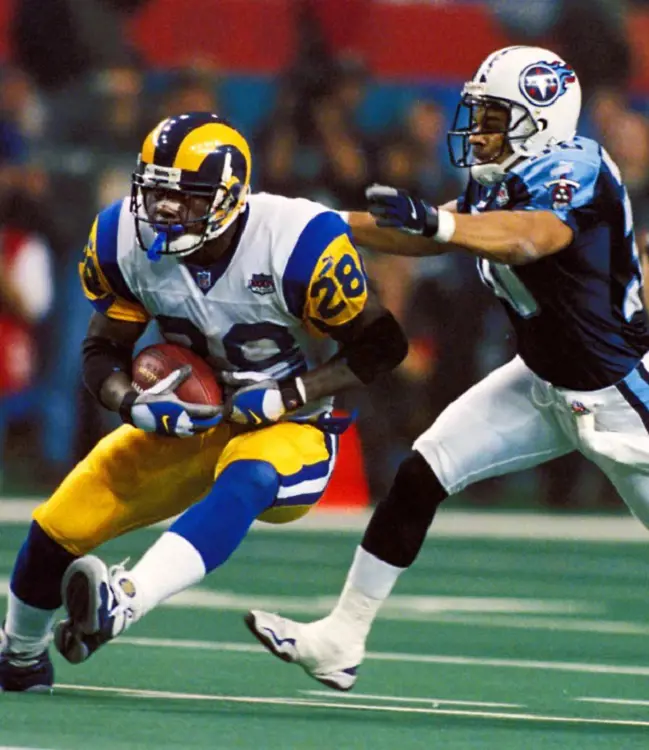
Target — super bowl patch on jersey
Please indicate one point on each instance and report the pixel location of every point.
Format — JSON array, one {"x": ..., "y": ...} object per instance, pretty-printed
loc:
[{"x": 261, "y": 283}]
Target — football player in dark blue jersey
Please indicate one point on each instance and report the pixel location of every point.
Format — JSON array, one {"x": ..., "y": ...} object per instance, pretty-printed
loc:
[{"x": 548, "y": 217}]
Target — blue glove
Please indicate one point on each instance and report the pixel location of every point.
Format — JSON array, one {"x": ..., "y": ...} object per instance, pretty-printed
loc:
[
  {"x": 159, "y": 410},
  {"x": 259, "y": 400},
  {"x": 394, "y": 208}
]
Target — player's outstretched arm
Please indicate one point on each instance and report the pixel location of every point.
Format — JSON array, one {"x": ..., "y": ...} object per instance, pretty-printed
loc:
[
  {"x": 367, "y": 234},
  {"x": 413, "y": 227}
]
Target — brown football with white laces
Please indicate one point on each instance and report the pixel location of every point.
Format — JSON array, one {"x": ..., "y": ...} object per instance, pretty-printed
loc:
[{"x": 159, "y": 360}]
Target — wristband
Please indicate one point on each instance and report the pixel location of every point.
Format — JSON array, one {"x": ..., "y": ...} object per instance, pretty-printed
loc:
[
  {"x": 124, "y": 410},
  {"x": 446, "y": 226}
]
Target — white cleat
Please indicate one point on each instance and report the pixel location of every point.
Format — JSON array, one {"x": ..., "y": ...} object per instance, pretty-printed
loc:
[{"x": 326, "y": 651}]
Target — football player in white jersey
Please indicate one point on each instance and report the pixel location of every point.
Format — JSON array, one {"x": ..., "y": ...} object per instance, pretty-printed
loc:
[
  {"x": 249, "y": 282},
  {"x": 548, "y": 217}
]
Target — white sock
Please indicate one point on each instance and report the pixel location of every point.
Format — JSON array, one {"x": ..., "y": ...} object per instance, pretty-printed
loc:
[
  {"x": 372, "y": 576},
  {"x": 29, "y": 629},
  {"x": 369, "y": 583},
  {"x": 171, "y": 565}
]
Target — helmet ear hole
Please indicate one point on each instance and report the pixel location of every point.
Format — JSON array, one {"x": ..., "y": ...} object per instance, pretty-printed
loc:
[{"x": 542, "y": 124}]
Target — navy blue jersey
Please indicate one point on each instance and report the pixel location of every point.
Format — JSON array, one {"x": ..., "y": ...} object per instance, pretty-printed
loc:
[{"x": 578, "y": 314}]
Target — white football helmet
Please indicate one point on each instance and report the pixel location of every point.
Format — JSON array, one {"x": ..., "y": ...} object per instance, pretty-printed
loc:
[{"x": 543, "y": 96}]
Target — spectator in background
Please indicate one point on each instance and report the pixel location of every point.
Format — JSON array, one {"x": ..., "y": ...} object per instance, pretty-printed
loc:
[
  {"x": 311, "y": 145},
  {"x": 346, "y": 169},
  {"x": 59, "y": 42},
  {"x": 191, "y": 90},
  {"x": 415, "y": 157},
  {"x": 625, "y": 135},
  {"x": 112, "y": 118},
  {"x": 26, "y": 292},
  {"x": 71, "y": 49},
  {"x": 591, "y": 34},
  {"x": 21, "y": 116}
]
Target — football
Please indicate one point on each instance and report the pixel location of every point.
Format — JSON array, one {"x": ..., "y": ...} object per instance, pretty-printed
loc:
[{"x": 159, "y": 360}]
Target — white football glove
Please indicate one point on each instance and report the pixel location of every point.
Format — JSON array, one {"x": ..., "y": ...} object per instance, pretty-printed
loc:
[{"x": 158, "y": 409}]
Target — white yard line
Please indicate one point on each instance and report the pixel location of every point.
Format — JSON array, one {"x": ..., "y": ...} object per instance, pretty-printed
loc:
[
  {"x": 614, "y": 701},
  {"x": 449, "y": 523},
  {"x": 336, "y": 703},
  {"x": 432, "y": 702}
]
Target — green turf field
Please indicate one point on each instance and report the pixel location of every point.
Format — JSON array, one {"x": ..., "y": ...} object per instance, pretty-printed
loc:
[{"x": 487, "y": 643}]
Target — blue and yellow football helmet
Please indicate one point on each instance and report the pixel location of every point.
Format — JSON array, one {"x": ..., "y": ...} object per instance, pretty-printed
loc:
[{"x": 201, "y": 164}]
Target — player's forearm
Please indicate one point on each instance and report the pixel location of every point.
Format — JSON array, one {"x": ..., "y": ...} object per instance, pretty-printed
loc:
[
  {"x": 328, "y": 379},
  {"x": 106, "y": 370},
  {"x": 113, "y": 390},
  {"x": 390, "y": 241},
  {"x": 513, "y": 237},
  {"x": 378, "y": 347}
]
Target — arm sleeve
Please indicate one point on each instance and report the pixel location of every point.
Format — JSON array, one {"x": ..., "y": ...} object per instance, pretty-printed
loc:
[
  {"x": 325, "y": 283},
  {"x": 101, "y": 278},
  {"x": 101, "y": 358}
]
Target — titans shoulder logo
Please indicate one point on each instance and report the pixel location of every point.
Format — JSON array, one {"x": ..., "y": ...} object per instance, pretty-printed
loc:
[{"x": 542, "y": 83}]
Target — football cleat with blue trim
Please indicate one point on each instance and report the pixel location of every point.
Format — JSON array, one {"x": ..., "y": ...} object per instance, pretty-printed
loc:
[
  {"x": 100, "y": 602},
  {"x": 325, "y": 651},
  {"x": 21, "y": 672}
]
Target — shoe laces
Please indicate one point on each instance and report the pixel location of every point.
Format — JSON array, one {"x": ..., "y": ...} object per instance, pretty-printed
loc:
[{"x": 123, "y": 595}]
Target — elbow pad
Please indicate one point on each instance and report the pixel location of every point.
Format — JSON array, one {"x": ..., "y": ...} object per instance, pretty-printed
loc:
[
  {"x": 102, "y": 357},
  {"x": 380, "y": 347}
]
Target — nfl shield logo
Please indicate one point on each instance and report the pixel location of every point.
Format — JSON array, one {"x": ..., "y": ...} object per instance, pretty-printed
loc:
[{"x": 203, "y": 279}]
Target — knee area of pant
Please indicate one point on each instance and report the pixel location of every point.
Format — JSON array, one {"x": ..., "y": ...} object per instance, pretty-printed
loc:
[{"x": 256, "y": 478}]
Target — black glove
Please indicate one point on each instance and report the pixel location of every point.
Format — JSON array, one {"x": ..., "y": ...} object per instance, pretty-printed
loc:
[{"x": 394, "y": 208}]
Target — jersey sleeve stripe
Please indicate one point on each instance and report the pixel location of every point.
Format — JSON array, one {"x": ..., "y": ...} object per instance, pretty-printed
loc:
[
  {"x": 317, "y": 235},
  {"x": 107, "y": 227}
]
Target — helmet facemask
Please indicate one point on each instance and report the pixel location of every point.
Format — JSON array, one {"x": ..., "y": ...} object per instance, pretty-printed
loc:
[
  {"x": 203, "y": 212},
  {"x": 474, "y": 116}
]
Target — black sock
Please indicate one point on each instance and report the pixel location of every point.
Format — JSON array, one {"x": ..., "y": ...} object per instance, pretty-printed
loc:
[
  {"x": 399, "y": 524},
  {"x": 39, "y": 569}
]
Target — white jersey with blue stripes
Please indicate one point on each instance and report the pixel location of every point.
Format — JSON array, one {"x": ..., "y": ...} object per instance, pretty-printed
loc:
[{"x": 271, "y": 303}]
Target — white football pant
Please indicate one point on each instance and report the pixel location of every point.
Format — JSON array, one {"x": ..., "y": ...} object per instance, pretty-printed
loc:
[{"x": 512, "y": 420}]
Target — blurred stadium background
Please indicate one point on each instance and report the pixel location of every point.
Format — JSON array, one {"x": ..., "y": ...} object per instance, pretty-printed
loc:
[{"x": 334, "y": 94}]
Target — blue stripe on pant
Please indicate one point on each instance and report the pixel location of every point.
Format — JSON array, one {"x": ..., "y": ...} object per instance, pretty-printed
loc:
[{"x": 635, "y": 389}]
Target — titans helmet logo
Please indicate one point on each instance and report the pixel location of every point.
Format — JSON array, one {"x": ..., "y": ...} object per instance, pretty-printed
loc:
[{"x": 542, "y": 83}]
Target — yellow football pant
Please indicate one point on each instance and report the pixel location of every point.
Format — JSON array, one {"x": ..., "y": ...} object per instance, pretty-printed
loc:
[{"x": 133, "y": 478}]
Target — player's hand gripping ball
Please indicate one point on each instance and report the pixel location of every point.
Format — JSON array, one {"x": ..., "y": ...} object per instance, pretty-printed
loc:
[{"x": 176, "y": 393}]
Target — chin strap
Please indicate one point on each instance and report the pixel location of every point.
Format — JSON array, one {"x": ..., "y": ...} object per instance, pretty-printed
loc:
[{"x": 490, "y": 174}]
